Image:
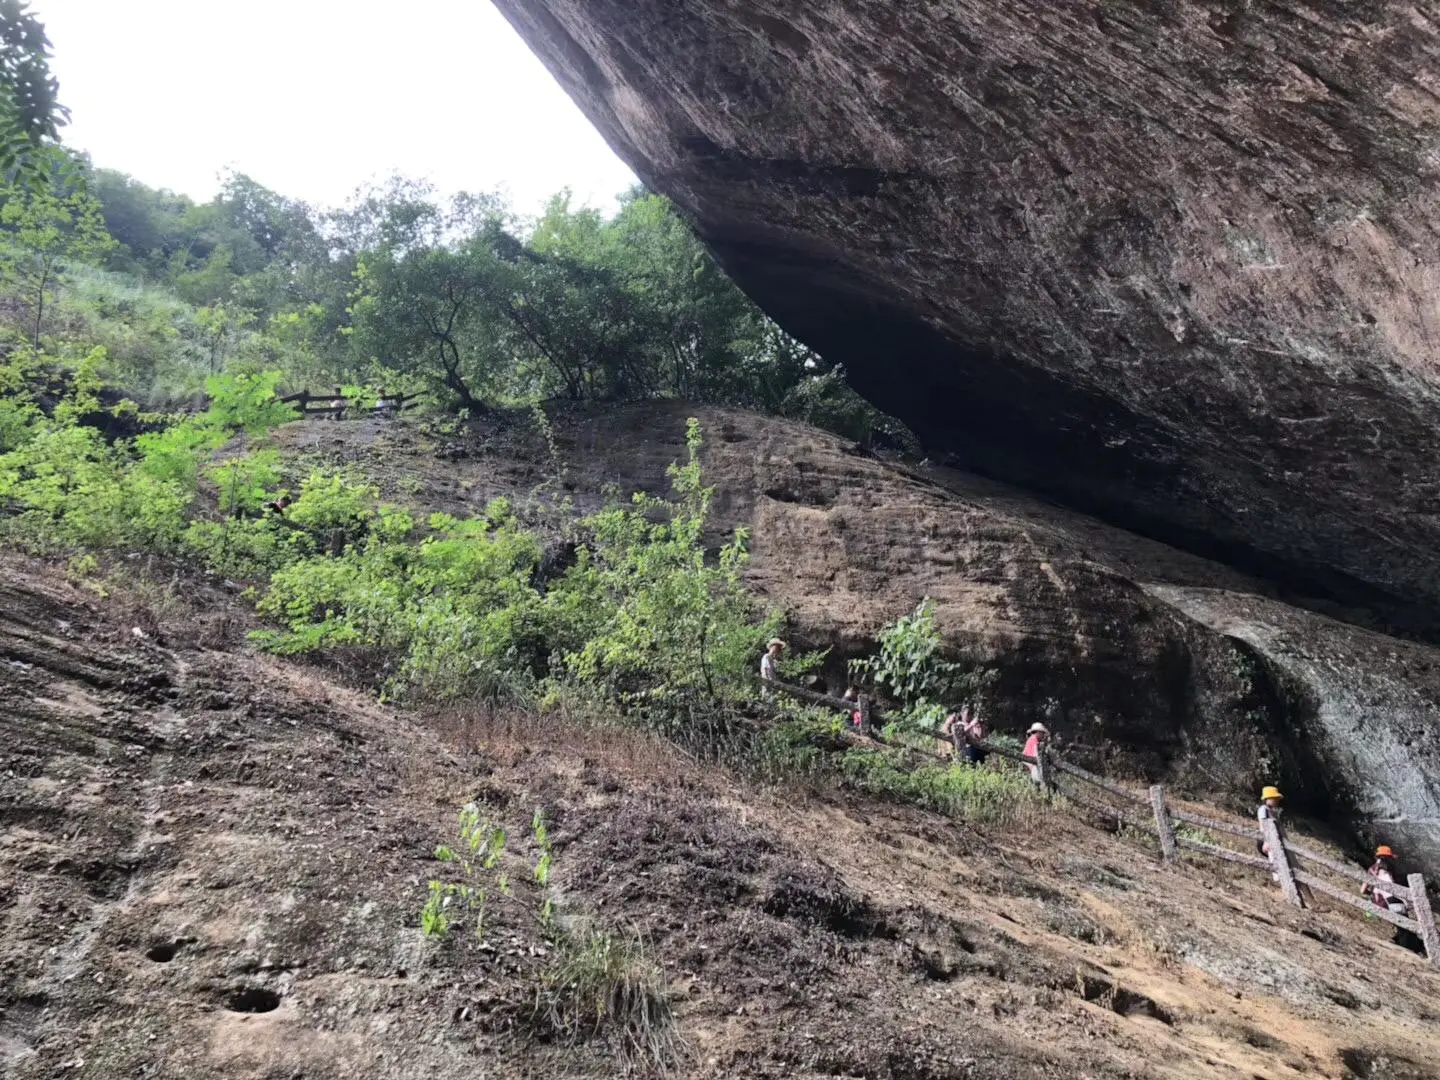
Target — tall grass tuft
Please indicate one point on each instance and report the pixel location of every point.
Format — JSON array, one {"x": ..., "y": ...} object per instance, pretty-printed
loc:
[{"x": 603, "y": 985}]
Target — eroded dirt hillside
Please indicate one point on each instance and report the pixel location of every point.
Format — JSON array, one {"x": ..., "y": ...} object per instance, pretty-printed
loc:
[
  {"x": 212, "y": 865},
  {"x": 1083, "y": 620}
]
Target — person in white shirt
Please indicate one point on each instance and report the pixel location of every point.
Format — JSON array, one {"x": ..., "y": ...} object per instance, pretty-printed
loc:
[
  {"x": 1269, "y": 809},
  {"x": 770, "y": 662}
]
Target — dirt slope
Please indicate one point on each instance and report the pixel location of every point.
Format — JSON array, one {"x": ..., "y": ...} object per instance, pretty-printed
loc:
[{"x": 212, "y": 863}]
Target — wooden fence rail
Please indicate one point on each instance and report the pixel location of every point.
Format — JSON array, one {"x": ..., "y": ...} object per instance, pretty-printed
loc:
[
  {"x": 1161, "y": 821},
  {"x": 1212, "y": 825},
  {"x": 1355, "y": 900},
  {"x": 1241, "y": 857},
  {"x": 324, "y": 404}
]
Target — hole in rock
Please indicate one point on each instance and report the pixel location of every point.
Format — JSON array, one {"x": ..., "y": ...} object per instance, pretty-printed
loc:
[
  {"x": 1379, "y": 1065},
  {"x": 253, "y": 999},
  {"x": 1121, "y": 1001},
  {"x": 162, "y": 953}
]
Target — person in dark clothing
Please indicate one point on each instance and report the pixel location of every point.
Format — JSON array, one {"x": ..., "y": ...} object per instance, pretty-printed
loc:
[{"x": 976, "y": 731}]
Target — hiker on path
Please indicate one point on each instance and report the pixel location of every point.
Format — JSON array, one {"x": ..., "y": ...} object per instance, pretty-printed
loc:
[
  {"x": 1382, "y": 873},
  {"x": 1269, "y": 810},
  {"x": 974, "y": 731},
  {"x": 1038, "y": 740},
  {"x": 770, "y": 662},
  {"x": 967, "y": 731}
]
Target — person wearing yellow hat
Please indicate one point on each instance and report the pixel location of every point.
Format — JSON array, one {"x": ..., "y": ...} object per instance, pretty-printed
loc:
[
  {"x": 1270, "y": 810},
  {"x": 1382, "y": 872}
]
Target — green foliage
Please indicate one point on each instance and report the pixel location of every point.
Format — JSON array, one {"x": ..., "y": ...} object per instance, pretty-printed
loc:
[
  {"x": 643, "y": 617},
  {"x": 455, "y": 603},
  {"x": 62, "y": 485},
  {"x": 650, "y": 620},
  {"x": 996, "y": 795},
  {"x": 43, "y": 232},
  {"x": 911, "y": 669},
  {"x": 30, "y": 110},
  {"x": 828, "y": 401},
  {"x": 581, "y": 307},
  {"x": 476, "y": 861},
  {"x": 402, "y": 290}
]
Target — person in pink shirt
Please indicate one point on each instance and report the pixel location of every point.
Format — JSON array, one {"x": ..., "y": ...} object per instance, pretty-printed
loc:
[{"x": 1039, "y": 738}]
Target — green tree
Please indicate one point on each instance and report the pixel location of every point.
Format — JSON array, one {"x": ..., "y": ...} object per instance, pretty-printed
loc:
[
  {"x": 30, "y": 111},
  {"x": 44, "y": 230},
  {"x": 575, "y": 305},
  {"x": 220, "y": 327},
  {"x": 656, "y": 621},
  {"x": 423, "y": 298}
]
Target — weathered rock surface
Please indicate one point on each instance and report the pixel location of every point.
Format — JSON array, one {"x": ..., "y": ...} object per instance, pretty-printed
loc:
[
  {"x": 1368, "y": 707},
  {"x": 1174, "y": 263}
]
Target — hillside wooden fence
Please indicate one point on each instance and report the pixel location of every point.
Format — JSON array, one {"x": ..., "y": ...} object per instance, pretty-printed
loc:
[
  {"x": 323, "y": 405},
  {"x": 1149, "y": 812}
]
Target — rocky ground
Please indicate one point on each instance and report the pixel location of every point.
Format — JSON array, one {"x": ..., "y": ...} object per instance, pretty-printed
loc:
[{"x": 212, "y": 864}]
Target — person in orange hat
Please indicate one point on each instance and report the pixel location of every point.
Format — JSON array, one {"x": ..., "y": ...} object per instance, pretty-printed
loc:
[{"x": 1382, "y": 873}]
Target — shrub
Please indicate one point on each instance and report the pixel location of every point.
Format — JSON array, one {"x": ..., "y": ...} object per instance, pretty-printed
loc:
[
  {"x": 455, "y": 604},
  {"x": 997, "y": 796},
  {"x": 647, "y": 618},
  {"x": 476, "y": 860},
  {"x": 66, "y": 486},
  {"x": 912, "y": 670}
]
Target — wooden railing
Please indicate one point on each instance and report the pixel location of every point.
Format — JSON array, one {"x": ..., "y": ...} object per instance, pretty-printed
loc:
[
  {"x": 324, "y": 405},
  {"x": 1155, "y": 816}
]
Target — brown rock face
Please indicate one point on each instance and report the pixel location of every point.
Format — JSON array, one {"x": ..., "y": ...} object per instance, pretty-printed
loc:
[{"x": 1171, "y": 262}]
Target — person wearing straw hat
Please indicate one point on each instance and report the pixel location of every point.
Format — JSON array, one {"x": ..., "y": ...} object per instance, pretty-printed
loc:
[
  {"x": 770, "y": 662},
  {"x": 1037, "y": 738}
]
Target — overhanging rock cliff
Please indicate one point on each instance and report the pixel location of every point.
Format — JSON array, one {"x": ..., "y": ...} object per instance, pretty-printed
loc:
[{"x": 1174, "y": 263}]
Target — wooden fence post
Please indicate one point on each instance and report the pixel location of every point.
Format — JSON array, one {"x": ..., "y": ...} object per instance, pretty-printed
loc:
[
  {"x": 1042, "y": 768},
  {"x": 1420, "y": 903},
  {"x": 1280, "y": 861},
  {"x": 1162, "y": 823},
  {"x": 864, "y": 710}
]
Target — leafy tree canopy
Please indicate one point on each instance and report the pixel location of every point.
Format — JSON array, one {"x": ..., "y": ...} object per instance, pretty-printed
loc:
[{"x": 30, "y": 110}]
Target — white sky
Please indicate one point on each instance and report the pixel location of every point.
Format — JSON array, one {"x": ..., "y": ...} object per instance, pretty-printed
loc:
[{"x": 314, "y": 98}]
